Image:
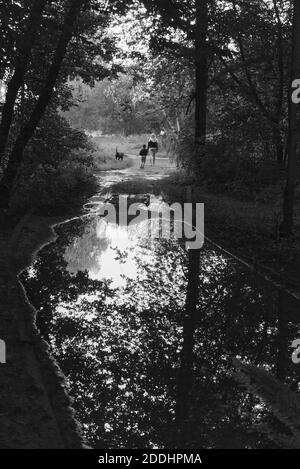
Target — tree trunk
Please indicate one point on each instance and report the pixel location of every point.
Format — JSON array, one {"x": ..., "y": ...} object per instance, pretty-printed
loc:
[
  {"x": 28, "y": 130},
  {"x": 185, "y": 377},
  {"x": 17, "y": 80},
  {"x": 201, "y": 80},
  {"x": 289, "y": 195},
  {"x": 280, "y": 95}
]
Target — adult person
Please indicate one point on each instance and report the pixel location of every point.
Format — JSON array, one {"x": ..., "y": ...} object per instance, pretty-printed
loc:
[{"x": 153, "y": 148}]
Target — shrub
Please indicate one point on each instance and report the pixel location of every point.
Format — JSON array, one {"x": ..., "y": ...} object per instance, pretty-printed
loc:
[
  {"x": 238, "y": 174},
  {"x": 58, "y": 168},
  {"x": 238, "y": 171}
]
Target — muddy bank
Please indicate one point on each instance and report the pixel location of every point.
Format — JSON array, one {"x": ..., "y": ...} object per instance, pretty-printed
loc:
[{"x": 35, "y": 410}]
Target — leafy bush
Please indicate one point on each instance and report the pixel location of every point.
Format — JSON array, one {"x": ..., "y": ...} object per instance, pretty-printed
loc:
[
  {"x": 237, "y": 174},
  {"x": 58, "y": 168},
  {"x": 234, "y": 170}
]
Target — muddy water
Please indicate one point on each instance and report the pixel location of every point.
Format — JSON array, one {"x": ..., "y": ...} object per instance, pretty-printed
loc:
[{"x": 111, "y": 304}]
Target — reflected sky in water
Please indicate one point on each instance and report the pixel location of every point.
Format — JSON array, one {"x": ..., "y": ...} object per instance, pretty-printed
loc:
[
  {"x": 111, "y": 304},
  {"x": 106, "y": 264}
]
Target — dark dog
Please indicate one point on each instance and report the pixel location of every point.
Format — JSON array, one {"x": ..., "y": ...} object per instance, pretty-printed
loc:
[{"x": 119, "y": 156}]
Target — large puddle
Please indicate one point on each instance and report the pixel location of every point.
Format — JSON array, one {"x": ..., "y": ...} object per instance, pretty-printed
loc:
[{"x": 111, "y": 304}]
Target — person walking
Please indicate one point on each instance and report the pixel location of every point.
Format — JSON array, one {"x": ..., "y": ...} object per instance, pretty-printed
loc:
[
  {"x": 153, "y": 148},
  {"x": 143, "y": 154}
]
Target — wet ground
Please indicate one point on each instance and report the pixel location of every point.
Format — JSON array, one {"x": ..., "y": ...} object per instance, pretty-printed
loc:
[{"x": 111, "y": 303}]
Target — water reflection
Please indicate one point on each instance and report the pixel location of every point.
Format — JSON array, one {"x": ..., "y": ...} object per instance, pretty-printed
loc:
[
  {"x": 97, "y": 252},
  {"x": 112, "y": 306}
]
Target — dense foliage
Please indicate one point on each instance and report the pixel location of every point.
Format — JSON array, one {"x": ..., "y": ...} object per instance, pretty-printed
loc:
[
  {"x": 249, "y": 65},
  {"x": 49, "y": 168}
]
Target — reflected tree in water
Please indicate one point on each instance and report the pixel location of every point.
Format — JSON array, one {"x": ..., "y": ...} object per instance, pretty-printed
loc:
[{"x": 143, "y": 374}]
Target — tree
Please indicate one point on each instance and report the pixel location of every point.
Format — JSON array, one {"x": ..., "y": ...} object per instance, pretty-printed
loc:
[
  {"x": 22, "y": 63},
  {"x": 73, "y": 30},
  {"x": 181, "y": 16},
  {"x": 201, "y": 65},
  {"x": 237, "y": 40},
  {"x": 260, "y": 26},
  {"x": 27, "y": 131}
]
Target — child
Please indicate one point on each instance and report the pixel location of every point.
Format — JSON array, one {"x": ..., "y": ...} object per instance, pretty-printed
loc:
[{"x": 143, "y": 154}]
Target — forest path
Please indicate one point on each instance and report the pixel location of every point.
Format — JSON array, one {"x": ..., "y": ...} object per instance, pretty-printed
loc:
[
  {"x": 133, "y": 180},
  {"x": 162, "y": 168}
]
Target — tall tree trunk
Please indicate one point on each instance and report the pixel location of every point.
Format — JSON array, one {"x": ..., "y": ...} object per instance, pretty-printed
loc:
[
  {"x": 201, "y": 80},
  {"x": 289, "y": 195},
  {"x": 280, "y": 94},
  {"x": 21, "y": 66},
  {"x": 185, "y": 377},
  {"x": 28, "y": 130}
]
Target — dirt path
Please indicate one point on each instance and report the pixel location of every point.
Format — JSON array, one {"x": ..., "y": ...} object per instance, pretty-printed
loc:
[
  {"x": 133, "y": 180},
  {"x": 161, "y": 169}
]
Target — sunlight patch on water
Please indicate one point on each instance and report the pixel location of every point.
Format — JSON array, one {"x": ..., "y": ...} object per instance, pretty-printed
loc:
[
  {"x": 109, "y": 265},
  {"x": 108, "y": 252}
]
